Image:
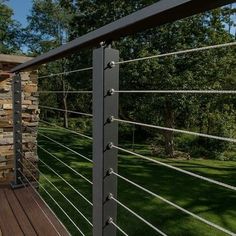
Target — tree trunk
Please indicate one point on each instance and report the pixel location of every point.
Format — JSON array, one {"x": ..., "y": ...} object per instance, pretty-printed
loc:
[
  {"x": 66, "y": 125},
  {"x": 169, "y": 135}
]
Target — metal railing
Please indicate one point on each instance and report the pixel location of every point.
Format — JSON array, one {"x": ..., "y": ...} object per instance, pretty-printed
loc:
[{"x": 105, "y": 117}]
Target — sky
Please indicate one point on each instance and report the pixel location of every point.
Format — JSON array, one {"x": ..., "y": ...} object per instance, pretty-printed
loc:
[{"x": 21, "y": 9}]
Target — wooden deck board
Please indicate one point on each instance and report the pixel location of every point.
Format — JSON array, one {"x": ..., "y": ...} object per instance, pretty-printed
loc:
[
  {"x": 22, "y": 212},
  {"x": 8, "y": 222},
  {"x": 59, "y": 226},
  {"x": 19, "y": 213}
]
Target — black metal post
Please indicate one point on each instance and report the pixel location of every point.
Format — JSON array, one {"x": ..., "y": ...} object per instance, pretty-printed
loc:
[
  {"x": 17, "y": 128},
  {"x": 105, "y": 105}
]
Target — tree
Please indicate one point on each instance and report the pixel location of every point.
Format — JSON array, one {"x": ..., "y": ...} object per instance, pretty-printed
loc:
[
  {"x": 10, "y": 31},
  {"x": 203, "y": 70},
  {"x": 48, "y": 29},
  {"x": 206, "y": 70}
]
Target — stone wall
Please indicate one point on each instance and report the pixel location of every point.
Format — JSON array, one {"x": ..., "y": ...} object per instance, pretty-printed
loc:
[
  {"x": 6, "y": 138},
  {"x": 30, "y": 118}
]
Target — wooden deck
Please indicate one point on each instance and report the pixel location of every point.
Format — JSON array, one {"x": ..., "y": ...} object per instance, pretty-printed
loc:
[{"x": 22, "y": 212}]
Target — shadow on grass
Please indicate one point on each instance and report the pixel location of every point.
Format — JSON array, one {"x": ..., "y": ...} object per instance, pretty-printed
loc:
[{"x": 209, "y": 201}]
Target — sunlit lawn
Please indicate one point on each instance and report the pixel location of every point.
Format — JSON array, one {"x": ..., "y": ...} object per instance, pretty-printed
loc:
[{"x": 209, "y": 201}]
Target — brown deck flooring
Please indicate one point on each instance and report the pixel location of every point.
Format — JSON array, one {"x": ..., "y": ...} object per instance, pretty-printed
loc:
[{"x": 22, "y": 212}]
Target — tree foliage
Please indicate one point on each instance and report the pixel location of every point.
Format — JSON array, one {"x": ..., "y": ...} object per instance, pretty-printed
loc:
[
  {"x": 55, "y": 22},
  {"x": 10, "y": 31}
]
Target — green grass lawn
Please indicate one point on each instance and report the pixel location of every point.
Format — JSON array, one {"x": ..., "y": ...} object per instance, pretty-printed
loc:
[{"x": 209, "y": 201}]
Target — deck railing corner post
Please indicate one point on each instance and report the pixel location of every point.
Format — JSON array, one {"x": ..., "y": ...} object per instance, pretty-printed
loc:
[{"x": 17, "y": 129}]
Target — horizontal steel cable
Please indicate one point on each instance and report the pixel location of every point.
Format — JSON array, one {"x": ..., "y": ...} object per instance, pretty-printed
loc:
[
  {"x": 58, "y": 190},
  {"x": 76, "y": 172},
  {"x": 69, "y": 111},
  {"x": 69, "y": 149},
  {"x": 50, "y": 197},
  {"x": 62, "y": 145},
  {"x": 175, "y": 205},
  {"x": 138, "y": 216},
  {"x": 178, "y": 52},
  {"x": 117, "y": 227},
  {"x": 66, "y": 72},
  {"x": 155, "y": 91},
  {"x": 176, "y": 130},
  {"x": 178, "y": 169},
  {"x": 64, "y": 180},
  {"x": 34, "y": 199},
  {"x": 66, "y": 92},
  {"x": 178, "y": 91},
  {"x": 69, "y": 130}
]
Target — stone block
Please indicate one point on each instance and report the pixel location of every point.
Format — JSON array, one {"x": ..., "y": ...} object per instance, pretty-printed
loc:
[
  {"x": 5, "y": 123},
  {"x": 26, "y": 102},
  {"x": 6, "y": 141},
  {"x": 5, "y": 101},
  {"x": 30, "y": 88},
  {"x": 7, "y": 106}
]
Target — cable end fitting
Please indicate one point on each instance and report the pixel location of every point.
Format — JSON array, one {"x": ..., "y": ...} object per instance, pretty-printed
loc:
[
  {"x": 110, "y": 119},
  {"x": 110, "y": 171},
  {"x": 110, "y": 221},
  {"x": 110, "y": 196},
  {"x": 111, "y": 64},
  {"x": 110, "y": 146},
  {"x": 110, "y": 92}
]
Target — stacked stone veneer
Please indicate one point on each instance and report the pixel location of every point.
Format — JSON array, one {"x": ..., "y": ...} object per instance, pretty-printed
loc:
[{"x": 30, "y": 118}]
